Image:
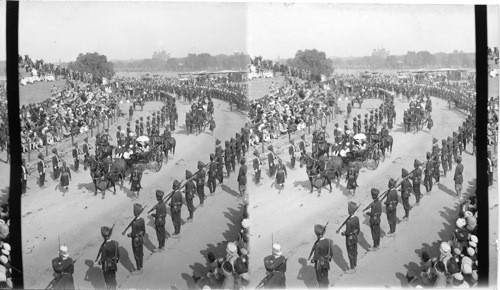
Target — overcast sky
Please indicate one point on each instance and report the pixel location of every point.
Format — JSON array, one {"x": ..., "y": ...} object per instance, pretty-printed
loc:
[{"x": 126, "y": 30}]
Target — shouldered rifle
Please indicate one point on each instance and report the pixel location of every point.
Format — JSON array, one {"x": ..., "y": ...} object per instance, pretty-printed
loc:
[
  {"x": 383, "y": 195},
  {"x": 105, "y": 240},
  {"x": 263, "y": 282},
  {"x": 315, "y": 243},
  {"x": 337, "y": 231},
  {"x": 133, "y": 220},
  {"x": 168, "y": 196}
]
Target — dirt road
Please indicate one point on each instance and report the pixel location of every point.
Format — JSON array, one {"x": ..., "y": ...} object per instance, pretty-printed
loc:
[
  {"x": 78, "y": 216},
  {"x": 291, "y": 215}
]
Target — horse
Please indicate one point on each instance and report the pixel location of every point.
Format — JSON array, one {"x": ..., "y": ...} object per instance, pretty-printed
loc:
[
  {"x": 103, "y": 152},
  {"x": 168, "y": 145},
  {"x": 320, "y": 149},
  {"x": 312, "y": 168}
]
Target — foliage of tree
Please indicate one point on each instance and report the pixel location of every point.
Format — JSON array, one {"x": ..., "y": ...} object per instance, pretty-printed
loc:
[
  {"x": 312, "y": 60},
  {"x": 93, "y": 63}
]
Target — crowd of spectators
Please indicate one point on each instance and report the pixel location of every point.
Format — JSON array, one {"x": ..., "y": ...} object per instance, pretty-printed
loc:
[
  {"x": 456, "y": 264},
  {"x": 5, "y": 248}
]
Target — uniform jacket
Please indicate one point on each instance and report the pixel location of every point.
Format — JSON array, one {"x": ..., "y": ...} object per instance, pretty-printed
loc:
[
  {"x": 242, "y": 175},
  {"x": 392, "y": 199},
  {"x": 138, "y": 231},
  {"x": 161, "y": 213},
  {"x": 375, "y": 212},
  {"x": 352, "y": 230},
  {"x": 176, "y": 202}
]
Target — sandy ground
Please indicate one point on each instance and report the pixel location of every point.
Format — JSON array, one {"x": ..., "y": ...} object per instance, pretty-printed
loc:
[
  {"x": 78, "y": 216},
  {"x": 290, "y": 216}
]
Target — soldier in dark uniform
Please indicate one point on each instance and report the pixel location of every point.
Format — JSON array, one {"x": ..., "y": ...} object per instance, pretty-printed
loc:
[
  {"x": 405, "y": 193},
  {"x": 351, "y": 178},
  {"x": 416, "y": 179},
  {"x": 256, "y": 166},
  {"x": 455, "y": 146},
  {"x": 41, "y": 169},
  {"x": 359, "y": 123},
  {"x": 444, "y": 156},
  {"x": 64, "y": 268},
  {"x": 450, "y": 153},
  {"x": 24, "y": 176},
  {"x": 435, "y": 155},
  {"x": 118, "y": 135},
  {"x": 137, "y": 234},
  {"x": 220, "y": 168},
  {"x": 429, "y": 169},
  {"x": 137, "y": 128},
  {"x": 274, "y": 279},
  {"x": 232, "y": 145},
  {"x": 65, "y": 176},
  {"x": 355, "y": 126},
  {"x": 280, "y": 260},
  {"x": 135, "y": 181},
  {"x": 200, "y": 182},
  {"x": 242, "y": 178},
  {"x": 75, "y": 153},
  {"x": 351, "y": 237},
  {"x": 175, "y": 208},
  {"x": 391, "y": 204},
  {"x": 212, "y": 172},
  {"x": 365, "y": 122},
  {"x": 291, "y": 150},
  {"x": 110, "y": 256},
  {"x": 55, "y": 164},
  {"x": 245, "y": 139},
  {"x": 238, "y": 147},
  {"x": 375, "y": 212},
  {"x": 148, "y": 126},
  {"x": 189, "y": 194},
  {"x": 129, "y": 130},
  {"x": 141, "y": 126},
  {"x": 130, "y": 112},
  {"x": 228, "y": 158},
  {"x": 161, "y": 213},
  {"x": 322, "y": 256},
  {"x": 271, "y": 157},
  {"x": 458, "y": 178}
]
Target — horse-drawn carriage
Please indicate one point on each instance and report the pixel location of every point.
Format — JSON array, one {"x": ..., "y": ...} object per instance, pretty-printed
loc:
[{"x": 357, "y": 99}]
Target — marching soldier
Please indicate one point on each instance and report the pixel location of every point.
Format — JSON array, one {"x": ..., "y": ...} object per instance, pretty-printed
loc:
[
  {"x": 161, "y": 213},
  {"x": 63, "y": 267},
  {"x": 351, "y": 178},
  {"x": 137, "y": 234},
  {"x": 291, "y": 150},
  {"x": 200, "y": 182},
  {"x": 458, "y": 178},
  {"x": 450, "y": 153},
  {"x": 271, "y": 157},
  {"x": 41, "y": 170},
  {"x": 175, "y": 208},
  {"x": 323, "y": 253},
  {"x": 242, "y": 178},
  {"x": 375, "y": 212},
  {"x": 274, "y": 279},
  {"x": 76, "y": 152},
  {"x": 55, "y": 164},
  {"x": 65, "y": 176},
  {"x": 391, "y": 204},
  {"x": 444, "y": 156},
  {"x": 429, "y": 168},
  {"x": 405, "y": 194},
  {"x": 135, "y": 181},
  {"x": 417, "y": 178},
  {"x": 141, "y": 126},
  {"x": 280, "y": 261},
  {"x": 212, "y": 172},
  {"x": 256, "y": 166},
  {"x": 351, "y": 237},
  {"x": 189, "y": 194},
  {"x": 228, "y": 158},
  {"x": 24, "y": 176},
  {"x": 110, "y": 256}
]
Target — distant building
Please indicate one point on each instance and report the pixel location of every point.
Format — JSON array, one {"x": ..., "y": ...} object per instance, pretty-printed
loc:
[
  {"x": 381, "y": 52},
  {"x": 161, "y": 54}
]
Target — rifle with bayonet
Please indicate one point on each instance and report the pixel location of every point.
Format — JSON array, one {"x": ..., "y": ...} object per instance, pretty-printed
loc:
[{"x": 56, "y": 279}]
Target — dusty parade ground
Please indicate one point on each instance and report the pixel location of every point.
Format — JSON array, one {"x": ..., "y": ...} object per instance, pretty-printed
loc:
[
  {"x": 77, "y": 217},
  {"x": 289, "y": 217}
]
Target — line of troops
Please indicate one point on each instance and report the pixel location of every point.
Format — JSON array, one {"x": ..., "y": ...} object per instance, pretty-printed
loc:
[
  {"x": 235, "y": 148},
  {"x": 323, "y": 252}
]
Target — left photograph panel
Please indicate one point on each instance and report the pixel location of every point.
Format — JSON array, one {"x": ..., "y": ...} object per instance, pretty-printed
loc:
[
  {"x": 135, "y": 140},
  {"x": 6, "y": 270}
]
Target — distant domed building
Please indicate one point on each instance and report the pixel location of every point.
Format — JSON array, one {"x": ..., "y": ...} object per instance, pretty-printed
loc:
[
  {"x": 161, "y": 54},
  {"x": 381, "y": 52}
]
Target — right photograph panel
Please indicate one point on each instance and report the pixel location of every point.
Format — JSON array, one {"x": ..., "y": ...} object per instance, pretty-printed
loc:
[{"x": 363, "y": 136}]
